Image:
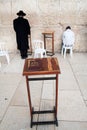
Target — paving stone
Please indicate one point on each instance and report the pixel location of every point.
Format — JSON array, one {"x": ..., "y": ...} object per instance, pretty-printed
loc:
[
  {"x": 67, "y": 82},
  {"x": 72, "y": 98},
  {"x": 10, "y": 79},
  {"x": 82, "y": 81},
  {"x": 47, "y": 92},
  {"x": 8, "y": 85},
  {"x": 16, "y": 65},
  {"x": 71, "y": 106},
  {"x": 46, "y": 105},
  {"x": 16, "y": 118},
  {"x": 66, "y": 125},
  {"x": 21, "y": 96}
]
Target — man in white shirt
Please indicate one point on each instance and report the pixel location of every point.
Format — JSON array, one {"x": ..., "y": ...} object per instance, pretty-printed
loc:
[{"x": 68, "y": 37}]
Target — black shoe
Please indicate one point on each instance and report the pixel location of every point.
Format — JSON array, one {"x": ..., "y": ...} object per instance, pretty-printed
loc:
[{"x": 24, "y": 57}]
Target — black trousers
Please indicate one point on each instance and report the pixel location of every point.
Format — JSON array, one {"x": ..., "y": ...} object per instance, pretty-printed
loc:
[{"x": 23, "y": 53}]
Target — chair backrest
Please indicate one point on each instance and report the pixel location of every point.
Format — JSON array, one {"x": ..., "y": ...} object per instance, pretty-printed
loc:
[
  {"x": 37, "y": 44},
  {"x": 2, "y": 47}
]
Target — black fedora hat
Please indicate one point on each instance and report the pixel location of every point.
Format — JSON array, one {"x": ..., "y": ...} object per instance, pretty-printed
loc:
[{"x": 21, "y": 13}]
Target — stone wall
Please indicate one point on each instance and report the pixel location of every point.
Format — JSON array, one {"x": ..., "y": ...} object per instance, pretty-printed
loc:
[{"x": 53, "y": 15}]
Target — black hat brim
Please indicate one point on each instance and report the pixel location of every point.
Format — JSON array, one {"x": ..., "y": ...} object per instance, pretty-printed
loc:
[{"x": 21, "y": 13}]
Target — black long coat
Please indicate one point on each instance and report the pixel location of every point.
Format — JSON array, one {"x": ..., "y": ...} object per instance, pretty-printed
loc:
[{"x": 22, "y": 29}]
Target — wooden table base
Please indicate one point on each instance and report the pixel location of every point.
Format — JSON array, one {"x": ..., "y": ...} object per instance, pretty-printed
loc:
[{"x": 55, "y": 121}]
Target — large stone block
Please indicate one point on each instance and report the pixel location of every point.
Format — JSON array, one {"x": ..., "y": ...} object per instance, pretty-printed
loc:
[{"x": 52, "y": 15}]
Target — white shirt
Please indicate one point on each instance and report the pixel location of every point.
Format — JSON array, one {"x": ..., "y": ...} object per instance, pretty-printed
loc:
[{"x": 68, "y": 37}]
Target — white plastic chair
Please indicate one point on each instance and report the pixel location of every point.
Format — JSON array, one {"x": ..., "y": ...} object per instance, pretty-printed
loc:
[
  {"x": 4, "y": 52},
  {"x": 38, "y": 46},
  {"x": 65, "y": 48}
]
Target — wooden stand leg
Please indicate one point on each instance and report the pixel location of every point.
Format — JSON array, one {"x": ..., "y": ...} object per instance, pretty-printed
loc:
[
  {"x": 29, "y": 97},
  {"x": 44, "y": 42},
  {"x": 32, "y": 112},
  {"x": 56, "y": 103},
  {"x": 53, "y": 43}
]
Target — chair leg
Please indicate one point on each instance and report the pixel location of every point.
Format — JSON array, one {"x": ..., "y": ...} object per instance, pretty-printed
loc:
[
  {"x": 64, "y": 52},
  {"x": 0, "y": 64},
  {"x": 45, "y": 54},
  {"x": 71, "y": 52},
  {"x": 35, "y": 55},
  {"x": 8, "y": 60},
  {"x": 41, "y": 55}
]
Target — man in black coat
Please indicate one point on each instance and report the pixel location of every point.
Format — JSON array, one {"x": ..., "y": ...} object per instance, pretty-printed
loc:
[{"x": 22, "y": 29}]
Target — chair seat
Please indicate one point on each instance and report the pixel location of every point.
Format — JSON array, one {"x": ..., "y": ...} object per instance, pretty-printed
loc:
[
  {"x": 40, "y": 50},
  {"x": 3, "y": 53}
]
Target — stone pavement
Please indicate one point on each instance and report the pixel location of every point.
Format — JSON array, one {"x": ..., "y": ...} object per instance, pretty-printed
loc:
[{"x": 72, "y": 102}]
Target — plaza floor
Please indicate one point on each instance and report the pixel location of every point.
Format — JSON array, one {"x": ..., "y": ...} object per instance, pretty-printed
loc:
[{"x": 72, "y": 95}]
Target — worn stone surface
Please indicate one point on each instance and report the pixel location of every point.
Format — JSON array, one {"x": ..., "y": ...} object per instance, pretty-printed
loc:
[
  {"x": 72, "y": 95},
  {"x": 51, "y": 15}
]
